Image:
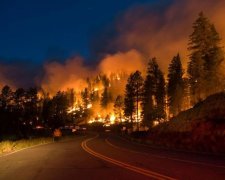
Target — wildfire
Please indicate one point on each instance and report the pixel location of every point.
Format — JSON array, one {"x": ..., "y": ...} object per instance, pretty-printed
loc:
[
  {"x": 94, "y": 111},
  {"x": 72, "y": 109},
  {"x": 91, "y": 121},
  {"x": 89, "y": 106},
  {"x": 112, "y": 119},
  {"x": 99, "y": 120}
]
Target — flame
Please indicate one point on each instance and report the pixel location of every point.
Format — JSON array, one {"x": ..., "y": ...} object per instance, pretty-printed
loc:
[
  {"x": 89, "y": 106},
  {"x": 112, "y": 119},
  {"x": 73, "y": 109}
]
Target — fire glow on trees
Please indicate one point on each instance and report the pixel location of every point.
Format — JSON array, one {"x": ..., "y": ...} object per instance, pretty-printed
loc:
[
  {"x": 96, "y": 90},
  {"x": 148, "y": 30},
  {"x": 96, "y": 101},
  {"x": 98, "y": 107}
]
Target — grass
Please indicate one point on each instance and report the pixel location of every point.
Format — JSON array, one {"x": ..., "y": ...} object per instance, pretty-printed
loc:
[{"x": 10, "y": 146}]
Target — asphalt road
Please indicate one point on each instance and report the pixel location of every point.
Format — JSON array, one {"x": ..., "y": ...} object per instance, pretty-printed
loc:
[{"x": 107, "y": 157}]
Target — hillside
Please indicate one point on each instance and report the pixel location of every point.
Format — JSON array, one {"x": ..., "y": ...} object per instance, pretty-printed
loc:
[{"x": 199, "y": 128}]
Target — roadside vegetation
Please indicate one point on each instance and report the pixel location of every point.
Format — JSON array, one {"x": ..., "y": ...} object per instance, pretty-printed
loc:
[{"x": 10, "y": 146}]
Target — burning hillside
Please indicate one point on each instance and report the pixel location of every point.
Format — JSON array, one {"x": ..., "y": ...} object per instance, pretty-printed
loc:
[{"x": 95, "y": 90}]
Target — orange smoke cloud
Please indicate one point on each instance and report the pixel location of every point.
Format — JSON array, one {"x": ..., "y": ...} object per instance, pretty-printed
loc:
[
  {"x": 163, "y": 34},
  {"x": 143, "y": 33},
  {"x": 71, "y": 74},
  {"x": 126, "y": 62}
]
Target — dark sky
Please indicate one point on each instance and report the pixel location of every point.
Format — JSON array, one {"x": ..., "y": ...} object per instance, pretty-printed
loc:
[{"x": 38, "y": 29}]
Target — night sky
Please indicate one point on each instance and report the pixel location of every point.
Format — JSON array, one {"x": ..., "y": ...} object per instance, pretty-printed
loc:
[
  {"x": 40, "y": 39},
  {"x": 37, "y": 30}
]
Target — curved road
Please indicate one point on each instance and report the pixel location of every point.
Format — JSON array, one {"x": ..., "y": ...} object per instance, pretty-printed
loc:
[{"x": 107, "y": 157}]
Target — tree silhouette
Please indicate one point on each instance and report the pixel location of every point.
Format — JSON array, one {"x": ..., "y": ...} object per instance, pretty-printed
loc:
[
  {"x": 85, "y": 98},
  {"x": 106, "y": 98},
  {"x": 175, "y": 87},
  {"x": 153, "y": 105},
  {"x": 206, "y": 56},
  {"x": 6, "y": 97},
  {"x": 133, "y": 95},
  {"x": 118, "y": 107}
]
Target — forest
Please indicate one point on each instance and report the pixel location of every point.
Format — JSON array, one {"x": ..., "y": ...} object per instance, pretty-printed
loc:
[{"x": 141, "y": 99}]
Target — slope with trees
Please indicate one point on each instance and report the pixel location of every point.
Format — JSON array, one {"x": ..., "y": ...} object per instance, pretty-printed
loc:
[{"x": 206, "y": 58}]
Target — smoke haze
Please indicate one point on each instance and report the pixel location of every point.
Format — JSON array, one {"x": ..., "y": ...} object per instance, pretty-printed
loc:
[{"x": 139, "y": 33}]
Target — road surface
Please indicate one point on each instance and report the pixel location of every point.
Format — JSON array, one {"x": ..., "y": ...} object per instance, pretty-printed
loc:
[{"x": 107, "y": 157}]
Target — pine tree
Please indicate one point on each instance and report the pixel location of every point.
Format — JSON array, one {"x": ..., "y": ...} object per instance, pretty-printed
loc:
[
  {"x": 105, "y": 98},
  {"x": 148, "y": 94},
  {"x": 105, "y": 81},
  {"x": 19, "y": 96},
  {"x": 153, "y": 106},
  {"x": 133, "y": 95},
  {"x": 175, "y": 87},
  {"x": 206, "y": 56},
  {"x": 118, "y": 107},
  {"x": 71, "y": 96},
  {"x": 85, "y": 98},
  {"x": 60, "y": 104},
  {"x": 160, "y": 96},
  {"x": 129, "y": 100},
  {"x": 86, "y": 112},
  {"x": 6, "y": 98},
  {"x": 31, "y": 105},
  {"x": 138, "y": 91}
]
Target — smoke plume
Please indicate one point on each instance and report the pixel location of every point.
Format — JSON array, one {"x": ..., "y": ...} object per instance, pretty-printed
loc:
[
  {"x": 163, "y": 34},
  {"x": 142, "y": 32},
  {"x": 61, "y": 76}
]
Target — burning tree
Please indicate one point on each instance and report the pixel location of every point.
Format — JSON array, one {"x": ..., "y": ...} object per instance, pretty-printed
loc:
[{"x": 106, "y": 98}]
